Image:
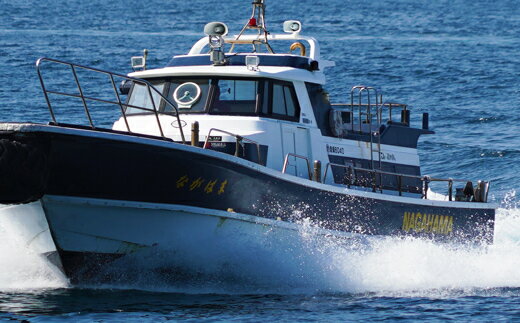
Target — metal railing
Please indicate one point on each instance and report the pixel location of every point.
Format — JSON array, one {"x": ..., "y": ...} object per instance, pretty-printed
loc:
[
  {"x": 286, "y": 163},
  {"x": 366, "y": 107},
  {"x": 84, "y": 99},
  {"x": 353, "y": 181},
  {"x": 366, "y": 110},
  {"x": 368, "y": 113},
  {"x": 391, "y": 106},
  {"x": 238, "y": 139}
]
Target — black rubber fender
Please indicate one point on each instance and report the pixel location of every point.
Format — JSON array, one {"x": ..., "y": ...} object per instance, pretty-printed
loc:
[{"x": 23, "y": 171}]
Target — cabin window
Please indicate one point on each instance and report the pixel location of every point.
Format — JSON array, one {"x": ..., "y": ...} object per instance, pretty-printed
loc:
[
  {"x": 321, "y": 106},
  {"x": 188, "y": 95},
  {"x": 235, "y": 97},
  {"x": 140, "y": 97},
  {"x": 279, "y": 100},
  {"x": 274, "y": 99},
  {"x": 283, "y": 102}
]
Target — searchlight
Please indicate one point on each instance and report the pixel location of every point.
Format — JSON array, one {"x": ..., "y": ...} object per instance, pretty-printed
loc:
[{"x": 216, "y": 32}]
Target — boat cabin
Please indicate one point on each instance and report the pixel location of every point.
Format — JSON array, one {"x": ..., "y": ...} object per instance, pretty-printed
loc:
[{"x": 272, "y": 93}]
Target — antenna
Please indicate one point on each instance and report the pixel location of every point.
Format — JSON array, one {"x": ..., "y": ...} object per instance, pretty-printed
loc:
[{"x": 257, "y": 21}]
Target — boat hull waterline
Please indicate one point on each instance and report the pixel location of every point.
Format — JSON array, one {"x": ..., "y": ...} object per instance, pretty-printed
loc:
[{"x": 79, "y": 170}]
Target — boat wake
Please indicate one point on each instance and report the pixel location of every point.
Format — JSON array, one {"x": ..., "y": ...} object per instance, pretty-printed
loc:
[{"x": 314, "y": 264}]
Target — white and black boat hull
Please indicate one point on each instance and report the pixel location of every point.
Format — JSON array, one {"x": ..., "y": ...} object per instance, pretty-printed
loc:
[{"x": 107, "y": 194}]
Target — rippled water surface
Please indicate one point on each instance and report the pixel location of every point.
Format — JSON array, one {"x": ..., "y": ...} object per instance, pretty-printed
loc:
[{"x": 458, "y": 60}]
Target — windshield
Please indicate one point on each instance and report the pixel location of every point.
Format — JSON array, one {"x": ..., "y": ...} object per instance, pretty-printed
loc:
[
  {"x": 140, "y": 97},
  {"x": 220, "y": 96}
]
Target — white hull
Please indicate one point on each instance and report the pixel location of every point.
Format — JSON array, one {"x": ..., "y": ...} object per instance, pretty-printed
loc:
[{"x": 183, "y": 239}]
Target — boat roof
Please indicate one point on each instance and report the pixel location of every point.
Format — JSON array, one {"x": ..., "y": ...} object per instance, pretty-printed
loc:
[
  {"x": 284, "y": 66},
  {"x": 314, "y": 48},
  {"x": 274, "y": 72}
]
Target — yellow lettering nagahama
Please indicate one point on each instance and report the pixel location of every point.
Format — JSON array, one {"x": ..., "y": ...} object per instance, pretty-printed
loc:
[{"x": 431, "y": 223}]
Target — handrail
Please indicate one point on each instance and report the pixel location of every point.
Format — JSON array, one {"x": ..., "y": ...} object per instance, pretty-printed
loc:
[
  {"x": 238, "y": 138},
  {"x": 368, "y": 114},
  {"x": 425, "y": 179},
  {"x": 389, "y": 105},
  {"x": 84, "y": 99},
  {"x": 286, "y": 162}
]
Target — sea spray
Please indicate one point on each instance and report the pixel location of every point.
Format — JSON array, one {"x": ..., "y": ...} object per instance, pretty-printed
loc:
[
  {"x": 394, "y": 264},
  {"x": 21, "y": 267}
]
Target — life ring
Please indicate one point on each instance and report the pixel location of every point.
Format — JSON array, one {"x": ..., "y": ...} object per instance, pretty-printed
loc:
[{"x": 300, "y": 46}]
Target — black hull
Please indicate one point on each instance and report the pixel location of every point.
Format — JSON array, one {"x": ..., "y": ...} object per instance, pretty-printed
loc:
[{"x": 92, "y": 164}]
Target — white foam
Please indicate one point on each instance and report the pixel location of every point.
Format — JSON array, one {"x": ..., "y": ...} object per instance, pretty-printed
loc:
[
  {"x": 394, "y": 265},
  {"x": 20, "y": 267}
]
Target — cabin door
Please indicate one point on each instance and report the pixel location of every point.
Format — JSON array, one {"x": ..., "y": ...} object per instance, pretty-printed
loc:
[{"x": 296, "y": 141}]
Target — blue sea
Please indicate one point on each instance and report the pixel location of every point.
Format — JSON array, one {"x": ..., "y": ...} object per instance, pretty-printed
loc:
[{"x": 458, "y": 60}]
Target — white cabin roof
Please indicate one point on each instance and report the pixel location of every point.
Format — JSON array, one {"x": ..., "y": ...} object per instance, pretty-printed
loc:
[
  {"x": 314, "y": 47},
  {"x": 197, "y": 63},
  {"x": 275, "y": 72}
]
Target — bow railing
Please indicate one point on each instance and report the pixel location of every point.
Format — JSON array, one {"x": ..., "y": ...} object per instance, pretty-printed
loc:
[{"x": 85, "y": 99}]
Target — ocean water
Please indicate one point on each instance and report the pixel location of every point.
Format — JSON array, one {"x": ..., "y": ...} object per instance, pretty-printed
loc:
[{"x": 457, "y": 60}]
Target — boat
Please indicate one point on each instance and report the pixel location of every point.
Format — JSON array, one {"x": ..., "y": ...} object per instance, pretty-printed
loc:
[{"x": 233, "y": 146}]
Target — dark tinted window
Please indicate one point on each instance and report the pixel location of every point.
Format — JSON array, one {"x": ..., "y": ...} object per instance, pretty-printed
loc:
[
  {"x": 278, "y": 100},
  {"x": 284, "y": 103},
  {"x": 189, "y": 95},
  {"x": 235, "y": 97},
  {"x": 321, "y": 106}
]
